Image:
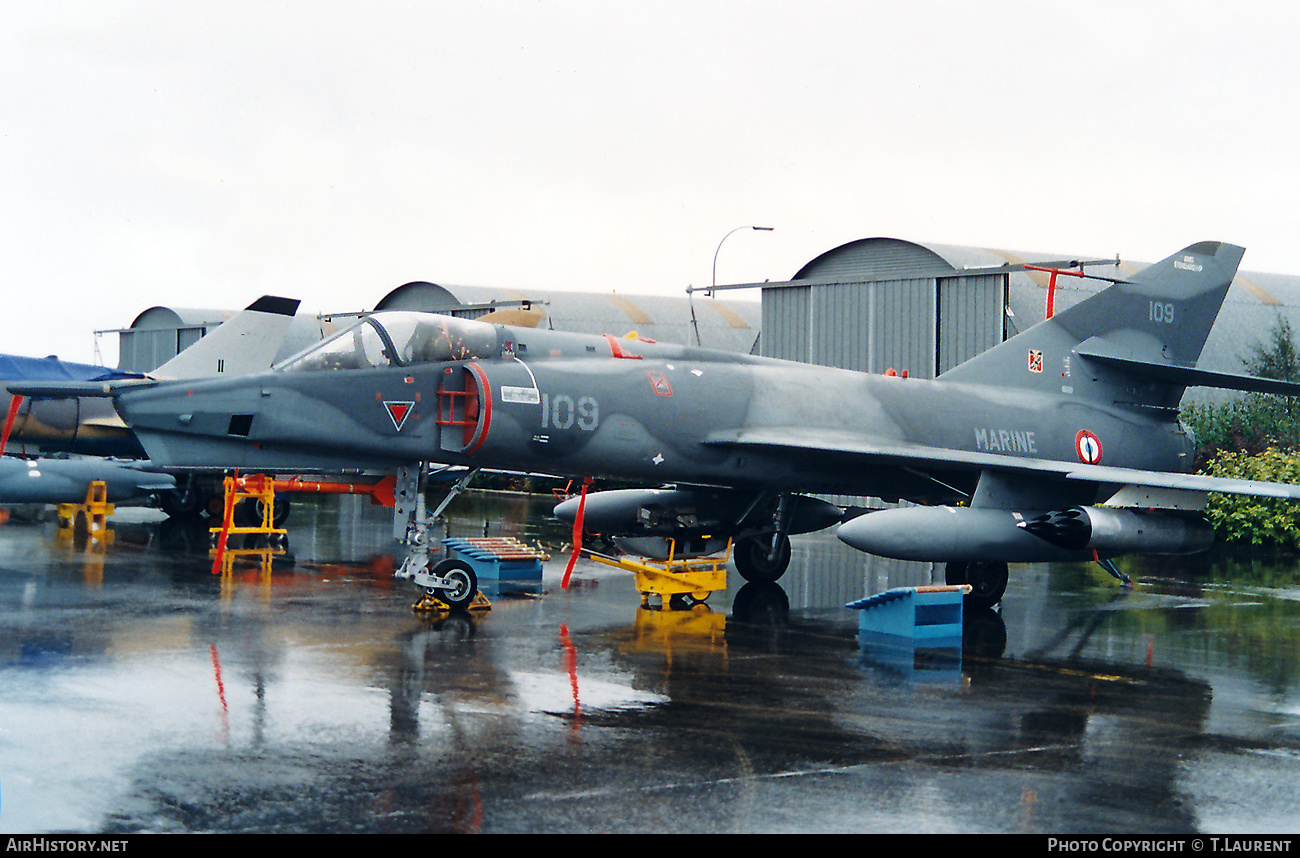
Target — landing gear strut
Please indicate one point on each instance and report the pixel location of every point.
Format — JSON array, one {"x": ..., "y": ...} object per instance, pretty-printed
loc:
[
  {"x": 1110, "y": 567},
  {"x": 189, "y": 498},
  {"x": 987, "y": 578},
  {"x": 452, "y": 581},
  {"x": 763, "y": 558}
]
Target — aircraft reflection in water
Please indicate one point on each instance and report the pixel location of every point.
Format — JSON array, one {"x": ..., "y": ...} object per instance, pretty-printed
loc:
[
  {"x": 623, "y": 716},
  {"x": 1010, "y": 450},
  {"x": 606, "y": 724}
]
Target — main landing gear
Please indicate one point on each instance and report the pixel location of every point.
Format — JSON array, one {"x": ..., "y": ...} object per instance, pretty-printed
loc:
[
  {"x": 762, "y": 558},
  {"x": 987, "y": 579}
]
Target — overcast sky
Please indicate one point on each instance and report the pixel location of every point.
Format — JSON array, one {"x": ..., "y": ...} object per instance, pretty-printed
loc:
[{"x": 201, "y": 155}]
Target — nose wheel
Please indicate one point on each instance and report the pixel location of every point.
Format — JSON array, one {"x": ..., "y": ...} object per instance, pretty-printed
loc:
[{"x": 452, "y": 581}]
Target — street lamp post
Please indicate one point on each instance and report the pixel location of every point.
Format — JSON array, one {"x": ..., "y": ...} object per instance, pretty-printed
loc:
[
  {"x": 691, "y": 291},
  {"x": 724, "y": 238}
]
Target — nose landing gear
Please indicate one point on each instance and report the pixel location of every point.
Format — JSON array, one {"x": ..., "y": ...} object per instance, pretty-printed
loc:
[{"x": 450, "y": 582}]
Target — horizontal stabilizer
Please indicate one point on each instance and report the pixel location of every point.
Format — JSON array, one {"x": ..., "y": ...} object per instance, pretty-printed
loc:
[
  {"x": 67, "y": 480},
  {"x": 1186, "y": 376}
]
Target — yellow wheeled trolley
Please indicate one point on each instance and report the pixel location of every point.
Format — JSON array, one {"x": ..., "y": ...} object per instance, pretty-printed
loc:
[{"x": 679, "y": 581}]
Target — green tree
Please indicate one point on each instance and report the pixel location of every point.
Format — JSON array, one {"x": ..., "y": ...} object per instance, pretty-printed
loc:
[
  {"x": 1278, "y": 357},
  {"x": 1254, "y": 422},
  {"x": 1259, "y": 521}
]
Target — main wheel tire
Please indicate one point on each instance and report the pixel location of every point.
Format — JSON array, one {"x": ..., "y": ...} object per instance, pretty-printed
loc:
[
  {"x": 987, "y": 578},
  {"x": 753, "y": 562},
  {"x": 187, "y": 499},
  {"x": 249, "y": 512},
  {"x": 464, "y": 583}
]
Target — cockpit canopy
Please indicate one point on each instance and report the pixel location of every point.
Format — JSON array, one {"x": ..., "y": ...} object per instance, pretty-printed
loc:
[{"x": 398, "y": 338}]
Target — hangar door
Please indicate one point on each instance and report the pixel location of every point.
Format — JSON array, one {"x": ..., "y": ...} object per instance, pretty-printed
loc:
[
  {"x": 146, "y": 349},
  {"x": 971, "y": 317},
  {"x": 925, "y": 325},
  {"x": 869, "y": 327}
]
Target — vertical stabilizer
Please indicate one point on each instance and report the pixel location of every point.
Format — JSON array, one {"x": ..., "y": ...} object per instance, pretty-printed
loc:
[
  {"x": 246, "y": 343},
  {"x": 1113, "y": 346}
]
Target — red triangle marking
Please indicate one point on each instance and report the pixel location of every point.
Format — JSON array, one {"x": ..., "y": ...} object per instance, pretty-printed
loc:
[{"x": 399, "y": 411}]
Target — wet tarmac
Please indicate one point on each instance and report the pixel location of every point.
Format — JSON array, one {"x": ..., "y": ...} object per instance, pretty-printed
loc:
[{"x": 141, "y": 693}]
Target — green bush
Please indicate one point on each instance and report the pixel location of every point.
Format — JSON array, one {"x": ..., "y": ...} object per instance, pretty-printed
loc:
[
  {"x": 1258, "y": 521},
  {"x": 1255, "y": 437}
]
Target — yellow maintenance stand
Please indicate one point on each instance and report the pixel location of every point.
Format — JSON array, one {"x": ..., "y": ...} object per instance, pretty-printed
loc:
[
  {"x": 91, "y": 515},
  {"x": 237, "y": 489},
  {"x": 679, "y": 581}
]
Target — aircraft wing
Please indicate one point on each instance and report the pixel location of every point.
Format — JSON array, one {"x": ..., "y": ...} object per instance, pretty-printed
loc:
[{"x": 836, "y": 447}]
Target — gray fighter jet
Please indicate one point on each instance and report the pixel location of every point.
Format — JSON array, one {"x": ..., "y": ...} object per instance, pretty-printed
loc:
[
  {"x": 1061, "y": 443},
  {"x": 84, "y": 423}
]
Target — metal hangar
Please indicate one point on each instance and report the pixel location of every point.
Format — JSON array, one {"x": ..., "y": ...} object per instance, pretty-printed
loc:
[
  {"x": 877, "y": 304},
  {"x": 159, "y": 333},
  {"x": 873, "y": 304}
]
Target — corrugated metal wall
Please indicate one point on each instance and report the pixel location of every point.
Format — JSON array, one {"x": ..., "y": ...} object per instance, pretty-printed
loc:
[
  {"x": 787, "y": 323},
  {"x": 857, "y": 309},
  {"x": 903, "y": 329},
  {"x": 971, "y": 317},
  {"x": 146, "y": 349}
]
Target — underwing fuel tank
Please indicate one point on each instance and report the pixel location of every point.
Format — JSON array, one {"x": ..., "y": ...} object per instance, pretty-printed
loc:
[
  {"x": 946, "y": 533},
  {"x": 689, "y": 511}
]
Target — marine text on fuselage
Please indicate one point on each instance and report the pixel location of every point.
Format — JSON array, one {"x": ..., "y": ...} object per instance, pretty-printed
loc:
[{"x": 1005, "y": 441}]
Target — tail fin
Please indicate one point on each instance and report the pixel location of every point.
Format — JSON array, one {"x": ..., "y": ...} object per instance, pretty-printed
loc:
[
  {"x": 245, "y": 343},
  {"x": 1135, "y": 343}
]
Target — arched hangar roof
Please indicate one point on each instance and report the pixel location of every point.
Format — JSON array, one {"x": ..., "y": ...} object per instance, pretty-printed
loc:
[
  {"x": 883, "y": 258},
  {"x": 179, "y": 317},
  {"x": 732, "y": 325},
  {"x": 1254, "y": 303}
]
